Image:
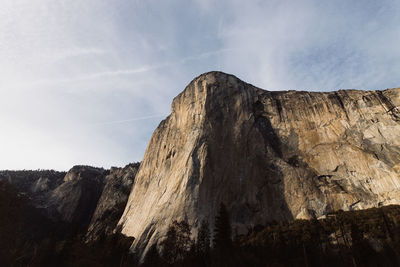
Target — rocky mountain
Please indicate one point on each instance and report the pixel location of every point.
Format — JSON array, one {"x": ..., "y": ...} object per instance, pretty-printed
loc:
[
  {"x": 75, "y": 200},
  {"x": 86, "y": 199},
  {"x": 36, "y": 185},
  {"x": 265, "y": 155},
  {"x": 111, "y": 204}
]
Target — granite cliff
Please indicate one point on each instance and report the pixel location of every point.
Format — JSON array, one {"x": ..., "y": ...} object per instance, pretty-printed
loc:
[
  {"x": 266, "y": 155},
  {"x": 111, "y": 204},
  {"x": 85, "y": 200}
]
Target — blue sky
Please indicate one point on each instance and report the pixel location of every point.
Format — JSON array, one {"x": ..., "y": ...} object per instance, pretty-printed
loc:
[{"x": 88, "y": 81}]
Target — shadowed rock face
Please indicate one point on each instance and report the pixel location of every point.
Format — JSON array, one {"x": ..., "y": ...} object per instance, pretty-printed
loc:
[
  {"x": 69, "y": 197},
  {"x": 36, "y": 185},
  {"x": 266, "y": 155},
  {"x": 93, "y": 199},
  {"x": 111, "y": 204},
  {"x": 75, "y": 200},
  {"x": 86, "y": 199}
]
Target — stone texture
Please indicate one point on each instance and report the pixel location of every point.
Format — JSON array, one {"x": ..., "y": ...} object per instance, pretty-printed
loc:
[
  {"x": 75, "y": 200},
  {"x": 266, "y": 155},
  {"x": 36, "y": 185},
  {"x": 111, "y": 204},
  {"x": 85, "y": 199}
]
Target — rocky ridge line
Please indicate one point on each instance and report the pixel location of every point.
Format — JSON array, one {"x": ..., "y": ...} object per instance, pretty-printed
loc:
[{"x": 266, "y": 155}]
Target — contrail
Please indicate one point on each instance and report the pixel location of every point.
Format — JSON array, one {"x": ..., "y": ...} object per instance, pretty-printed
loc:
[
  {"x": 148, "y": 68},
  {"x": 129, "y": 120},
  {"x": 143, "y": 69}
]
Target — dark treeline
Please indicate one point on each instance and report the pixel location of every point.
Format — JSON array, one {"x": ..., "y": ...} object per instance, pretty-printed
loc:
[
  {"x": 24, "y": 179},
  {"x": 29, "y": 238},
  {"x": 352, "y": 238}
]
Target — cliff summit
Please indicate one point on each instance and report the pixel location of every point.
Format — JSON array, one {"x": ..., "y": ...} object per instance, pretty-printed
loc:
[{"x": 265, "y": 155}]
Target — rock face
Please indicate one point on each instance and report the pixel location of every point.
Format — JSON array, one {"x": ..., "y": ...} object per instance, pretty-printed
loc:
[
  {"x": 37, "y": 185},
  {"x": 266, "y": 155},
  {"x": 112, "y": 201},
  {"x": 86, "y": 199},
  {"x": 75, "y": 200}
]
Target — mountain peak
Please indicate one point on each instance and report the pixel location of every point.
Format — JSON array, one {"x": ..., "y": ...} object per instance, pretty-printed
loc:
[
  {"x": 208, "y": 92},
  {"x": 266, "y": 155}
]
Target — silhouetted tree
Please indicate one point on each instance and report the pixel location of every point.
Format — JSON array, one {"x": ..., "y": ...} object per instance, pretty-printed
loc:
[
  {"x": 222, "y": 232},
  {"x": 356, "y": 234},
  {"x": 11, "y": 206},
  {"x": 203, "y": 239},
  {"x": 153, "y": 258},
  {"x": 177, "y": 243}
]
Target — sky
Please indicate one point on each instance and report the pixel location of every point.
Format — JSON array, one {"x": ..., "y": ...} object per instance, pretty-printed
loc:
[{"x": 88, "y": 81}]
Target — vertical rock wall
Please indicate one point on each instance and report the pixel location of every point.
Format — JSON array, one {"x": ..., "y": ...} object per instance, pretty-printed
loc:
[{"x": 266, "y": 155}]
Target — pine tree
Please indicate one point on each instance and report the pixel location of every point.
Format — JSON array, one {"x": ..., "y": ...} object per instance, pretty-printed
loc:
[
  {"x": 203, "y": 239},
  {"x": 222, "y": 232},
  {"x": 152, "y": 258},
  {"x": 169, "y": 249},
  {"x": 356, "y": 234},
  {"x": 177, "y": 243}
]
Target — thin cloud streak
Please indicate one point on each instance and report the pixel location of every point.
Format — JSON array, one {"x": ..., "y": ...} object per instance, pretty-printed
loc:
[
  {"x": 130, "y": 120},
  {"x": 120, "y": 72},
  {"x": 66, "y": 66}
]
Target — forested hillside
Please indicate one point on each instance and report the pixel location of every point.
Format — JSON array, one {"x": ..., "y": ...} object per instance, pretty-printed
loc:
[{"x": 354, "y": 238}]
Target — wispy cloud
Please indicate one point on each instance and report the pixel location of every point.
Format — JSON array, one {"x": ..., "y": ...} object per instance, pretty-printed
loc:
[
  {"x": 71, "y": 71},
  {"x": 130, "y": 120},
  {"x": 117, "y": 72},
  {"x": 308, "y": 45},
  {"x": 156, "y": 66}
]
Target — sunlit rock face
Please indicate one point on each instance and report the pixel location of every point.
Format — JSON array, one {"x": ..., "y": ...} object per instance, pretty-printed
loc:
[{"x": 266, "y": 155}]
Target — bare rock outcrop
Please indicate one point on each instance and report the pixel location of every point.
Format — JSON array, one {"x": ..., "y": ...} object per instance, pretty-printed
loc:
[
  {"x": 93, "y": 199},
  {"x": 85, "y": 200},
  {"x": 111, "y": 204},
  {"x": 266, "y": 155},
  {"x": 37, "y": 185},
  {"x": 75, "y": 200}
]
